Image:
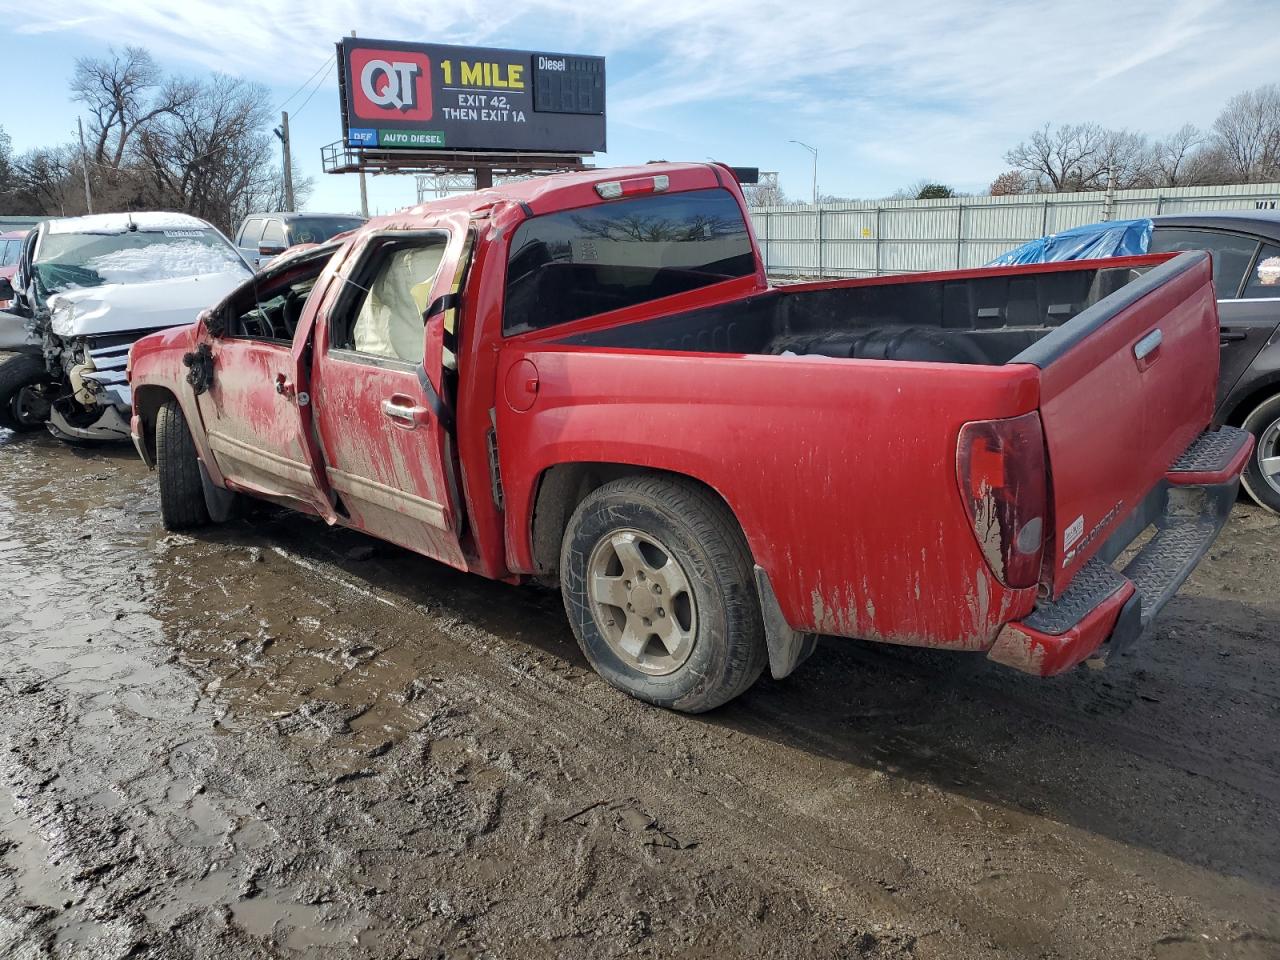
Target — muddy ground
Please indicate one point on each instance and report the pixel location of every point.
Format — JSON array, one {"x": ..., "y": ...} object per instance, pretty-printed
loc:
[{"x": 275, "y": 739}]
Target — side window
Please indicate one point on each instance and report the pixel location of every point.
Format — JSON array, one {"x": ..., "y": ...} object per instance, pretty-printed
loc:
[
  {"x": 1264, "y": 282},
  {"x": 578, "y": 263},
  {"x": 1232, "y": 253},
  {"x": 271, "y": 307},
  {"x": 273, "y": 234},
  {"x": 384, "y": 318},
  {"x": 250, "y": 233}
]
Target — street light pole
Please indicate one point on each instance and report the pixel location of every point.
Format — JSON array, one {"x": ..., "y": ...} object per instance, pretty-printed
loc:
[{"x": 814, "y": 151}]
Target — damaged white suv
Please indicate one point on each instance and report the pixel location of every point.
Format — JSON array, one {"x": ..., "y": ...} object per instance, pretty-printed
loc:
[{"x": 85, "y": 289}]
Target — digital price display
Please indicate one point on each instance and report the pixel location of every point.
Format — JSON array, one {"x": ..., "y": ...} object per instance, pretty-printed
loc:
[{"x": 568, "y": 84}]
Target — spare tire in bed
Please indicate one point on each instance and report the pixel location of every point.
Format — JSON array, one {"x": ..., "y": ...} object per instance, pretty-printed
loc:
[{"x": 925, "y": 344}]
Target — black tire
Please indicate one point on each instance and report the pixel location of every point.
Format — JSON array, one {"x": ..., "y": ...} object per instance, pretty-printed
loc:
[
  {"x": 182, "y": 504},
  {"x": 19, "y": 371},
  {"x": 1264, "y": 423},
  {"x": 699, "y": 532}
]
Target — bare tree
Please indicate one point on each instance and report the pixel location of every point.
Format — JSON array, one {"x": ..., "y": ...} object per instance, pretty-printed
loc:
[
  {"x": 45, "y": 183},
  {"x": 1083, "y": 156},
  {"x": 766, "y": 193},
  {"x": 7, "y": 176},
  {"x": 1011, "y": 183},
  {"x": 211, "y": 156},
  {"x": 1062, "y": 158},
  {"x": 124, "y": 93},
  {"x": 1126, "y": 162},
  {"x": 1178, "y": 159},
  {"x": 1247, "y": 135}
]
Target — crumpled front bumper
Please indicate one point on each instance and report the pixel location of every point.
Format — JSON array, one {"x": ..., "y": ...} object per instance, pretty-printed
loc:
[{"x": 1106, "y": 610}]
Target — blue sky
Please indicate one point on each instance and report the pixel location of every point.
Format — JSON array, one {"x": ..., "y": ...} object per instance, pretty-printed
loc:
[{"x": 888, "y": 93}]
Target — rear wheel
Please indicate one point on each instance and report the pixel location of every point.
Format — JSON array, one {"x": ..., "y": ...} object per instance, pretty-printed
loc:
[
  {"x": 658, "y": 584},
  {"x": 182, "y": 503},
  {"x": 1262, "y": 476},
  {"x": 23, "y": 404}
]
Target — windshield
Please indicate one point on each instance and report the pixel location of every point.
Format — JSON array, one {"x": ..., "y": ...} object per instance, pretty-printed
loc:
[
  {"x": 320, "y": 229},
  {"x": 69, "y": 260}
]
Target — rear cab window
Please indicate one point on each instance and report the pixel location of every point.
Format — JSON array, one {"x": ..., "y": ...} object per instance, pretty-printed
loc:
[
  {"x": 320, "y": 229},
  {"x": 578, "y": 263}
]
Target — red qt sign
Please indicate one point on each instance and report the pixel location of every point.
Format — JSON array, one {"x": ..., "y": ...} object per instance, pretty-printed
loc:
[{"x": 391, "y": 84}]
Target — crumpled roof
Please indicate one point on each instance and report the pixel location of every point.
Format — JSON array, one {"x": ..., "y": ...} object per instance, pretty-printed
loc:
[{"x": 119, "y": 222}]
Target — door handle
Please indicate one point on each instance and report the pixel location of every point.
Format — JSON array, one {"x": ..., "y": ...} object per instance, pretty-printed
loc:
[
  {"x": 284, "y": 386},
  {"x": 1147, "y": 350},
  {"x": 405, "y": 413},
  {"x": 1230, "y": 334}
]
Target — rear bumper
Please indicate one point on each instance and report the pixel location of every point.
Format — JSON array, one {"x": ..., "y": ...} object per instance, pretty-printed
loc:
[{"x": 1105, "y": 610}]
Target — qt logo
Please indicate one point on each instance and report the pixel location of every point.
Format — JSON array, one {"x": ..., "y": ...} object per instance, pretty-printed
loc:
[{"x": 390, "y": 85}]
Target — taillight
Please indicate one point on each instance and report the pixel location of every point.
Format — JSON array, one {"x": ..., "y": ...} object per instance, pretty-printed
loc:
[
  {"x": 614, "y": 189},
  {"x": 1001, "y": 466}
]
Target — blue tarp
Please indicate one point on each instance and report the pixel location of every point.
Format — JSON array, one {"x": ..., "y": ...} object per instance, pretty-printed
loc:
[{"x": 1114, "y": 238}]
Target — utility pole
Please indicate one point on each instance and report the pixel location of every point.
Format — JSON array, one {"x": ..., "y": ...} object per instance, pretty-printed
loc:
[
  {"x": 287, "y": 161},
  {"x": 84, "y": 166},
  {"x": 1109, "y": 200},
  {"x": 364, "y": 190}
]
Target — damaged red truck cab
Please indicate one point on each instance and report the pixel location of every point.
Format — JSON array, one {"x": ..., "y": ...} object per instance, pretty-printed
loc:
[{"x": 587, "y": 379}]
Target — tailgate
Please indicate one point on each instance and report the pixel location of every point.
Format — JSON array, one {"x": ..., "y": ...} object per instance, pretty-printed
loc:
[{"x": 1125, "y": 387}]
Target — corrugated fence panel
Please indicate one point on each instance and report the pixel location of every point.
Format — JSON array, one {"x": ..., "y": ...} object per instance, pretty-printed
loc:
[{"x": 867, "y": 238}]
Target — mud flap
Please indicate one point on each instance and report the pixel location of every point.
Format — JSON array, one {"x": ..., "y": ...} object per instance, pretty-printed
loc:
[
  {"x": 220, "y": 503},
  {"x": 788, "y": 648}
]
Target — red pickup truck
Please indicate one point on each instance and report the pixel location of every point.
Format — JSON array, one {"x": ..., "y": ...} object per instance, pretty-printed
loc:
[{"x": 587, "y": 379}]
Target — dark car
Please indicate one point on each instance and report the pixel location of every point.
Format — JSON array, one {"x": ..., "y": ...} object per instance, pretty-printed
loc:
[
  {"x": 1245, "y": 246},
  {"x": 264, "y": 236}
]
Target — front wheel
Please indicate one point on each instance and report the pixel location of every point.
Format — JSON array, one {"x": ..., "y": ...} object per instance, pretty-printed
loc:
[
  {"x": 1262, "y": 475},
  {"x": 23, "y": 404},
  {"x": 182, "y": 503},
  {"x": 658, "y": 583}
]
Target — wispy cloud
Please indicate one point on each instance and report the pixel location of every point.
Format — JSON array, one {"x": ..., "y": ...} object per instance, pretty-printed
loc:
[{"x": 915, "y": 83}]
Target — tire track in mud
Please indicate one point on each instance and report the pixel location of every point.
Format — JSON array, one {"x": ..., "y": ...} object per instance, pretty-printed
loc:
[
  {"x": 579, "y": 713},
  {"x": 386, "y": 758},
  {"x": 1246, "y": 777}
]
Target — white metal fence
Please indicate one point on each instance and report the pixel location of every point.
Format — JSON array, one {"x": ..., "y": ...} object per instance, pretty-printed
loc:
[{"x": 870, "y": 238}]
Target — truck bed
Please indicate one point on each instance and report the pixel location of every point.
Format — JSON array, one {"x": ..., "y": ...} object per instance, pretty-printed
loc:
[
  {"x": 849, "y": 465},
  {"x": 975, "y": 317}
]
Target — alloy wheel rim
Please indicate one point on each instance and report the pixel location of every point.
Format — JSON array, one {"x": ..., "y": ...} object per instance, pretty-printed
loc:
[
  {"x": 1268, "y": 454},
  {"x": 642, "y": 602}
]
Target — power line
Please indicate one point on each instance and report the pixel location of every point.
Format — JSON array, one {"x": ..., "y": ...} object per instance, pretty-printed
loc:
[
  {"x": 329, "y": 61},
  {"x": 322, "y": 82}
]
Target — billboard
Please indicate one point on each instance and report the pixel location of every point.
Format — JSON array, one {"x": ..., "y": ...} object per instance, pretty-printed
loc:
[{"x": 429, "y": 96}]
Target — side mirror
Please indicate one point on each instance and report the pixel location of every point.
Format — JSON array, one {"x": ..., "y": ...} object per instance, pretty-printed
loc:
[
  {"x": 6, "y": 290},
  {"x": 270, "y": 250},
  {"x": 212, "y": 321}
]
